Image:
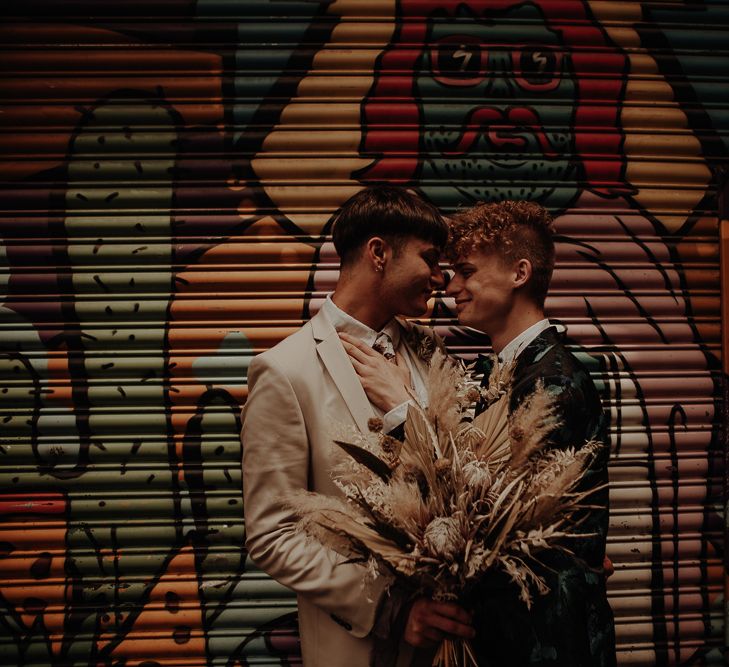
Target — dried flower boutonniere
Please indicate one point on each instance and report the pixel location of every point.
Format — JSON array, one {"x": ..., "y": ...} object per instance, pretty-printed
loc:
[{"x": 423, "y": 344}]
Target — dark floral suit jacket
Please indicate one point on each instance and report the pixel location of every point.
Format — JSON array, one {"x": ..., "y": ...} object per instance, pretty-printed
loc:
[{"x": 572, "y": 625}]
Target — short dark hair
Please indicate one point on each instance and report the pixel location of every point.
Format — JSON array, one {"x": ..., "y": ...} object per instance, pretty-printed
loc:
[
  {"x": 389, "y": 211},
  {"x": 512, "y": 229}
]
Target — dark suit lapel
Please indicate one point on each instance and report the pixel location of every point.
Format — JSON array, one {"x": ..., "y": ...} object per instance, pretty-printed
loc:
[{"x": 533, "y": 352}]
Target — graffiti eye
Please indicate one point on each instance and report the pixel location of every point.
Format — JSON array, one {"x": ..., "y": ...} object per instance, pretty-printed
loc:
[
  {"x": 460, "y": 60},
  {"x": 457, "y": 62},
  {"x": 539, "y": 68}
]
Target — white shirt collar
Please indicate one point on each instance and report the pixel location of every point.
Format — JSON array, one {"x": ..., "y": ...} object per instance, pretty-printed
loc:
[
  {"x": 516, "y": 346},
  {"x": 342, "y": 321}
]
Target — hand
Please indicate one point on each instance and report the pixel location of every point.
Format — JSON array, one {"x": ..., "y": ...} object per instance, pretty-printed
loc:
[
  {"x": 431, "y": 622},
  {"x": 385, "y": 383},
  {"x": 608, "y": 567}
]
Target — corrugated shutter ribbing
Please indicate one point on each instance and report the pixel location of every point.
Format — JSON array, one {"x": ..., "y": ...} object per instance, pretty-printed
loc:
[{"x": 169, "y": 172}]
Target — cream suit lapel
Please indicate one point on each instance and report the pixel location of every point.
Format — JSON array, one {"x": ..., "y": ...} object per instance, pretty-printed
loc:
[{"x": 335, "y": 359}]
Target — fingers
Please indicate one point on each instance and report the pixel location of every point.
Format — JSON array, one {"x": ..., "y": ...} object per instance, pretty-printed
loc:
[
  {"x": 355, "y": 354},
  {"x": 354, "y": 344},
  {"x": 385, "y": 383},
  {"x": 361, "y": 355},
  {"x": 451, "y": 619},
  {"x": 403, "y": 370},
  {"x": 452, "y": 612},
  {"x": 430, "y": 622}
]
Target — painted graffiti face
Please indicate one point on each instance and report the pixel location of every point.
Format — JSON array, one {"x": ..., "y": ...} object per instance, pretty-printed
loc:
[{"x": 497, "y": 108}]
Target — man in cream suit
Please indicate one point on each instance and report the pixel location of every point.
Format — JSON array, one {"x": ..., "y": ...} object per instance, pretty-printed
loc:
[{"x": 389, "y": 242}]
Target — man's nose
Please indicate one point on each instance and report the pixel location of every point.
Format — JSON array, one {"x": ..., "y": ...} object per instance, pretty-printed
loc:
[
  {"x": 438, "y": 278},
  {"x": 451, "y": 286}
]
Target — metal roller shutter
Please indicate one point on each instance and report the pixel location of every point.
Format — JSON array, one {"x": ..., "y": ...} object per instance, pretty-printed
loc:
[{"x": 169, "y": 171}]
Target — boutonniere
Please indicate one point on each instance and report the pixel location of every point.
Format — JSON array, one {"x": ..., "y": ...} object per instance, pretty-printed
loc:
[{"x": 423, "y": 345}]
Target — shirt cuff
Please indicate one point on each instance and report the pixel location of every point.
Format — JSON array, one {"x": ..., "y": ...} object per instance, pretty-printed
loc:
[{"x": 396, "y": 416}]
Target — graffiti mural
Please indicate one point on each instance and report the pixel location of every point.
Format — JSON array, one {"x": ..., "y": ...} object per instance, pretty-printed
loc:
[{"x": 170, "y": 174}]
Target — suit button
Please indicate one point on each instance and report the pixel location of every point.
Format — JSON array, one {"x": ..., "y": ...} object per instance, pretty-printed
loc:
[{"x": 341, "y": 622}]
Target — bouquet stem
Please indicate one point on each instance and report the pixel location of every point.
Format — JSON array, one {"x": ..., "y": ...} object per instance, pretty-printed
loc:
[{"x": 455, "y": 653}]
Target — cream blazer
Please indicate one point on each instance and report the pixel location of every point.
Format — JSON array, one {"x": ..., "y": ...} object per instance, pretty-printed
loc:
[{"x": 297, "y": 391}]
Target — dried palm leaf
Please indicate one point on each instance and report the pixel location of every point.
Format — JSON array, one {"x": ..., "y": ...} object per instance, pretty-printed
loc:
[
  {"x": 367, "y": 459},
  {"x": 492, "y": 427},
  {"x": 363, "y": 538}
]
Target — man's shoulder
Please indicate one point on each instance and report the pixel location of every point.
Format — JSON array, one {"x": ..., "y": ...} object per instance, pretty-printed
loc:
[
  {"x": 550, "y": 353},
  {"x": 569, "y": 381},
  {"x": 569, "y": 363},
  {"x": 288, "y": 353},
  {"x": 554, "y": 363}
]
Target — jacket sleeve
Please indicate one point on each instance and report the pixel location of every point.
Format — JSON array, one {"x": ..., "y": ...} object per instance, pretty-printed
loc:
[
  {"x": 582, "y": 417},
  {"x": 276, "y": 463}
]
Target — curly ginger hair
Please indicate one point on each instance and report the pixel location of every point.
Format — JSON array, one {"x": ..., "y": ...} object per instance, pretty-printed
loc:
[{"x": 511, "y": 229}]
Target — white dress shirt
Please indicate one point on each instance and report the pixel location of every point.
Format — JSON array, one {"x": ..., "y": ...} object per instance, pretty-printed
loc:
[
  {"x": 517, "y": 345},
  {"x": 345, "y": 323}
]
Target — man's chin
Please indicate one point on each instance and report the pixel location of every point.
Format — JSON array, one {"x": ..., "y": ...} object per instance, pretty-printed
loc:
[
  {"x": 416, "y": 310},
  {"x": 465, "y": 320}
]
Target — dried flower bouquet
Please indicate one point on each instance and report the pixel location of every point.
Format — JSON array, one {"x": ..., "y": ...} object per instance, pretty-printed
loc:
[{"x": 457, "y": 497}]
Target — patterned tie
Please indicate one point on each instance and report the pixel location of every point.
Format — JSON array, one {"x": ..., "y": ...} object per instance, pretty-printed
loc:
[{"x": 383, "y": 345}]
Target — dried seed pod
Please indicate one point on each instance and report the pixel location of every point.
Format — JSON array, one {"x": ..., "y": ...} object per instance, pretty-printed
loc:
[
  {"x": 390, "y": 445},
  {"x": 443, "y": 466},
  {"x": 443, "y": 537},
  {"x": 473, "y": 395},
  {"x": 477, "y": 475},
  {"x": 374, "y": 424}
]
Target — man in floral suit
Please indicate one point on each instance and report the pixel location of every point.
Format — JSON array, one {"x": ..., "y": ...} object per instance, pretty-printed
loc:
[{"x": 503, "y": 258}]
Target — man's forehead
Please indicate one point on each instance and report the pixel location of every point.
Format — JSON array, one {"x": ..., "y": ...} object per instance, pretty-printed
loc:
[
  {"x": 422, "y": 245},
  {"x": 474, "y": 257}
]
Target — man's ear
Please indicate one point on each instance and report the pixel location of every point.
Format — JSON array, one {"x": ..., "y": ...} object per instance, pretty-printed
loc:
[
  {"x": 376, "y": 251},
  {"x": 522, "y": 273}
]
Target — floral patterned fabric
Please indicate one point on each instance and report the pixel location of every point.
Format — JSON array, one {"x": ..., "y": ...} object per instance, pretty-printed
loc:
[{"x": 572, "y": 625}]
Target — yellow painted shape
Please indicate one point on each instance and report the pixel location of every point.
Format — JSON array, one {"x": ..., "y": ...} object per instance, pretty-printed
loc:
[
  {"x": 650, "y": 92},
  {"x": 307, "y": 169},
  {"x": 291, "y": 199},
  {"x": 319, "y": 113},
  {"x": 659, "y": 119},
  {"x": 661, "y": 145},
  {"x": 616, "y": 11},
  {"x": 689, "y": 174},
  {"x": 160, "y": 627}
]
